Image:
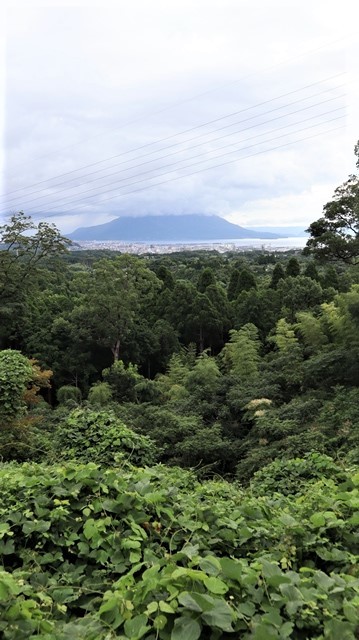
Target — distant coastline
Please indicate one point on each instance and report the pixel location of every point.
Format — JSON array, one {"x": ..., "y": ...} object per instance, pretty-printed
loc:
[{"x": 222, "y": 246}]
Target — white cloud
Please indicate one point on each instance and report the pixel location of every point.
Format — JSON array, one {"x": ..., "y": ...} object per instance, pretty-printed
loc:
[
  {"x": 298, "y": 209},
  {"x": 92, "y": 80}
]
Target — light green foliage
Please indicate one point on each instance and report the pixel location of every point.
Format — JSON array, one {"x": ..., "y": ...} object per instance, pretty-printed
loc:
[
  {"x": 241, "y": 354},
  {"x": 69, "y": 394},
  {"x": 284, "y": 337},
  {"x": 311, "y": 331},
  {"x": 152, "y": 553},
  {"x": 291, "y": 477},
  {"x": 339, "y": 420},
  {"x": 202, "y": 381},
  {"x": 99, "y": 436},
  {"x": 122, "y": 380},
  {"x": 100, "y": 394},
  {"x": 15, "y": 373},
  {"x": 172, "y": 385}
]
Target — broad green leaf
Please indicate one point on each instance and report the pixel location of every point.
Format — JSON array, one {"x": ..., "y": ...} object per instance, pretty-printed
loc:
[
  {"x": 90, "y": 529},
  {"x": 246, "y": 609},
  {"x": 317, "y": 519},
  {"x": 4, "y": 592},
  {"x": 152, "y": 608},
  {"x": 339, "y": 629},
  {"x": 5, "y": 529},
  {"x": 350, "y": 612},
  {"x": 323, "y": 581},
  {"x": 187, "y": 601},
  {"x": 265, "y": 632},
  {"x": 165, "y": 607},
  {"x": 270, "y": 569},
  {"x": 210, "y": 565},
  {"x": 136, "y": 627},
  {"x": 186, "y": 628},
  {"x": 219, "y": 616},
  {"x": 190, "y": 550},
  {"x": 160, "y": 622},
  {"x": 231, "y": 568},
  {"x": 215, "y": 585}
]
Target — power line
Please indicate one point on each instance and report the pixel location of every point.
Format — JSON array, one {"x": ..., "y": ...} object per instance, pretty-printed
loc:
[
  {"x": 285, "y": 62},
  {"x": 231, "y": 144},
  {"x": 197, "y": 171},
  {"x": 227, "y": 126},
  {"x": 177, "y": 134}
]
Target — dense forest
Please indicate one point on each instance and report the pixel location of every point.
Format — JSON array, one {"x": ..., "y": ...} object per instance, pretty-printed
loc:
[{"x": 179, "y": 437}]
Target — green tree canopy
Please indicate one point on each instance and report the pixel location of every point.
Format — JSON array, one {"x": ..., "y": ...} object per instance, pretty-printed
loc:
[
  {"x": 335, "y": 236},
  {"x": 25, "y": 246}
]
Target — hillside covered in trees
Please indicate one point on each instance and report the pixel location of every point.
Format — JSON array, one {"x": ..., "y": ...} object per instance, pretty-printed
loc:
[{"x": 179, "y": 438}]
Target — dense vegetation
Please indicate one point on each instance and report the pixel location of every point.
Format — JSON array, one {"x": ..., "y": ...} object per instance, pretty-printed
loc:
[
  {"x": 179, "y": 438},
  {"x": 153, "y": 553}
]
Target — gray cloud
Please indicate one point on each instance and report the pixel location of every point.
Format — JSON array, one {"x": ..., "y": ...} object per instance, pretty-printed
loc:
[{"x": 86, "y": 83}]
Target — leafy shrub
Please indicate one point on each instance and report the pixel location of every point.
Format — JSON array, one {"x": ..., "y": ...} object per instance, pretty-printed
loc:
[
  {"x": 291, "y": 476},
  {"x": 99, "y": 553},
  {"x": 15, "y": 373},
  {"x": 122, "y": 381},
  {"x": 100, "y": 394},
  {"x": 69, "y": 394},
  {"x": 98, "y": 436},
  {"x": 20, "y": 381}
]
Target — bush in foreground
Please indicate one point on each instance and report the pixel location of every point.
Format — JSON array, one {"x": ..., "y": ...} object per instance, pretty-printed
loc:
[{"x": 152, "y": 553}]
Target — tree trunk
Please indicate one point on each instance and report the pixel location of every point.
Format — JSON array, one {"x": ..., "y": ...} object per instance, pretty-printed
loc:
[
  {"x": 116, "y": 351},
  {"x": 201, "y": 340}
]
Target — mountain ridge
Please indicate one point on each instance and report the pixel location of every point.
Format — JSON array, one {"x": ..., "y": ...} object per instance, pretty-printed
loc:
[{"x": 152, "y": 228}]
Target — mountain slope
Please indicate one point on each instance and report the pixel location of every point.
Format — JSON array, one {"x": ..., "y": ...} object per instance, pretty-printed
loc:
[{"x": 192, "y": 227}]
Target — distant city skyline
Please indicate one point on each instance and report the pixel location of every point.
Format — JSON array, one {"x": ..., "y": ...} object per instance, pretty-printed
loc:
[{"x": 246, "y": 111}]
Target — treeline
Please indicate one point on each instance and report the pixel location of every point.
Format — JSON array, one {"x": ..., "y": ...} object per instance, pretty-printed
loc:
[{"x": 226, "y": 361}]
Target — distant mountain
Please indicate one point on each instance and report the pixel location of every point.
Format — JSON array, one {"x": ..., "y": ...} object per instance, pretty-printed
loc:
[
  {"x": 287, "y": 232},
  {"x": 170, "y": 228}
]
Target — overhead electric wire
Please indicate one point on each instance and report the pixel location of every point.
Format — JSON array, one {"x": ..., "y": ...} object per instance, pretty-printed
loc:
[
  {"x": 180, "y": 133},
  {"x": 227, "y": 126},
  {"x": 188, "y": 166},
  {"x": 173, "y": 164},
  {"x": 285, "y": 62},
  {"x": 286, "y": 144}
]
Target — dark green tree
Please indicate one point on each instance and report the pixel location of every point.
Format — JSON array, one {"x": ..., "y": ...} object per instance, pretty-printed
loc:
[
  {"x": 298, "y": 294},
  {"x": 311, "y": 271},
  {"x": 278, "y": 274},
  {"x": 205, "y": 280},
  {"x": 335, "y": 236},
  {"x": 117, "y": 292},
  {"x": 232, "y": 290},
  {"x": 293, "y": 268},
  {"x": 164, "y": 274},
  {"x": 25, "y": 246},
  {"x": 246, "y": 281},
  {"x": 330, "y": 278}
]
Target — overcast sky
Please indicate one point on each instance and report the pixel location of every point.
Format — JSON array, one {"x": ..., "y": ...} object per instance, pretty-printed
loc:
[{"x": 243, "y": 108}]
